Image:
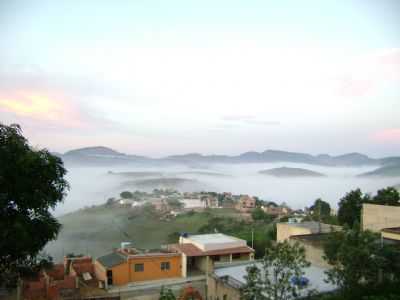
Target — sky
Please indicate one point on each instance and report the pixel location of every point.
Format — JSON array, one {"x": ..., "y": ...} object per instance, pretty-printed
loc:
[{"x": 168, "y": 77}]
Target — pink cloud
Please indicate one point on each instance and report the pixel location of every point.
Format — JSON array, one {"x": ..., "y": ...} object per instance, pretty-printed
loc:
[
  {"x": 389, "y": 135},
  {"x": 364, "y": 75}
]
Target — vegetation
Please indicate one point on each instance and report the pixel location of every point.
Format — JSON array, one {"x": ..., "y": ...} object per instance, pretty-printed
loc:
[
  {"x": 259, "y": 215},
  {"x": 283, "y": 263},
  {"x": 31, "y": 183},
  {"x": 360, "y": 262},
  {"x": 126, "y": 195},
  {"x": 350, "y": 205},
  {"x": 166, "y": 294}
]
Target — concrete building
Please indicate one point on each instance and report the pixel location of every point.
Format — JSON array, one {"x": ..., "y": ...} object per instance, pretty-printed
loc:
[
  {"x": 286, "y": 230},
  {"x": 225, "y": 282},
  {"x": 201, "y": 253},
  {"x": 245, "y": 204},
  {"x": 129, "y": 265},
  {"x": 377, "y": 217},
  {"x": 391, "y": 233}
]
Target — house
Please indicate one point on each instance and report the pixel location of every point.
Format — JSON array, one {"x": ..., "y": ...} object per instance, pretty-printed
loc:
[
  {"x": 210, "y": 201},
  {"x": 201, "y": 253},
  {"x": 287, "y": 229},
  {"x": 130, "y": 265},
  {"x": 51, "y": 284},
  {"x": 276, "y": 210},
  {"x": 310, "y": 235},
  {"x": 391, "y": 233},
  {"x": 83, "y": 268},
  {"x": 245, "y": 204},
  {"x": 378, "y": 217},
  {"x": 226, "y": 281}
]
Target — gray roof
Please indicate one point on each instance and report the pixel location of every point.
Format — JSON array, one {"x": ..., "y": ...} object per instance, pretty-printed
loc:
[
  {"x": 234, "y": 275},
  {"x": 112, "y": 259}
]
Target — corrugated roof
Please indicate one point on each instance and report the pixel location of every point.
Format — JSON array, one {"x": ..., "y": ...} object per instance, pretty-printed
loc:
[
  {"x": 112, "y": 259},
  {"x": 192, "y": 250}
]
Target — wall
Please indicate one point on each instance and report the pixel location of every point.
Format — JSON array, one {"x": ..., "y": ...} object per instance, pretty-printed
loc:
[
  {"x": 376, "y": 217},
  {"x": 314, "y": 253},
  {"x": 285, "y": 231},
  {"x": 390, "y": 235},
  {"x": 217, "y": 289},
  {"x": 100, "y": 272},
  {"x": 204, "y": 264},
  {"x": 152, "y": 268}
]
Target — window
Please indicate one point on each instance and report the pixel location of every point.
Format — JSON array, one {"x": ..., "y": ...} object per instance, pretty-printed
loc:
[
  {"x": 139, "y": 267},
  {"x": 165, "y": 266},
  {"x": 216, "y": 258},
  {"x": 236, "y": 256},
  {"x": 225, "y": 297}
]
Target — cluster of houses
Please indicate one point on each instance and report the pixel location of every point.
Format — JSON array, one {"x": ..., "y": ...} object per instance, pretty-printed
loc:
[
  {"x": 215, "y": 262},
  {"x": 165, "y": 202}
]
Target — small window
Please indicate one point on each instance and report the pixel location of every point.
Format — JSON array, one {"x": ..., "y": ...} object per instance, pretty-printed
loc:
[
  {"x": 225, "y": 297},
  {"x": 165, "y": 266},
  {"x": 216, "y": 258},
  {"x": 236, "y": 256},
  {"x": 139, "y": 267}
]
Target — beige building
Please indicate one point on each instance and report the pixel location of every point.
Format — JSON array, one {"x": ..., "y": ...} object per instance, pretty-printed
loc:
[
  {"x": 377, "y": 217},
  {"x": 245, "y": 204},
  {"x": 201, "y": 253},
  {"x": 391, "y": 233},
  {"x": 286, "y": 230}
]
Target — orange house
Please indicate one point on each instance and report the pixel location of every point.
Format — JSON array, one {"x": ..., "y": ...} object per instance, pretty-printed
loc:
[{"x": 129, "y": 265}]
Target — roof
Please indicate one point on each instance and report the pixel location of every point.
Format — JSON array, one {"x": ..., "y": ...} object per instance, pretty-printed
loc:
[
  {"x": 112, "y": 259},
  {"x": 235, "y": 276},
  {"x": 392, "y": 230},
  {"x": 192, "y": 250},
  {"x": 213, "y": 238},
  {"x": 314, "y": 226}
]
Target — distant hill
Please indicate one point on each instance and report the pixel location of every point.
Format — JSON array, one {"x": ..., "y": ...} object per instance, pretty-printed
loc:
[
  {"x": 101, "y": 155},
  {"x": 385, "y": 171},
  {"x": 291, "y": 172}
]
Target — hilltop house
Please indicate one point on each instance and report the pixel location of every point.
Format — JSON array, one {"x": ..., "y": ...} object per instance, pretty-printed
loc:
[{"x": 245, "y": 204}]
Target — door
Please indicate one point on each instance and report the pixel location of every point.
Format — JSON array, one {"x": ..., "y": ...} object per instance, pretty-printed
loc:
[{"x": 109, "y": 277}]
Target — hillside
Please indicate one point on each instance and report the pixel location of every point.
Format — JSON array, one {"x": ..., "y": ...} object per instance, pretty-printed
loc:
[
  {"x": 98, "y": 229},
  {"x": 386, "y": 171},
  {"x": 291, "y": 172},
  {"x": 105, "y": 156}
]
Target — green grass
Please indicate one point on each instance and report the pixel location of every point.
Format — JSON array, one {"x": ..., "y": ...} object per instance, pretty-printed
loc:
[{"x": 98, "y": 230}]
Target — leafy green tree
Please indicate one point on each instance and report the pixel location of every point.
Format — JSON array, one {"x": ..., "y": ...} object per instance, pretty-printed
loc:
[
  {"x": 253, "y": 288},
  {"x": 166, "y": 294},
  {"x": 359, "y": 260},
  {"x": 282, "y": 263},
  {"x": 350, "y": 207},
  {"x": 31, "y": 183},
  {"x": 126, "y": 195},
  {"x": 387, "y": 196},
  {"x": 259, "y": 215},
  {"x": 320, "y": 209}
]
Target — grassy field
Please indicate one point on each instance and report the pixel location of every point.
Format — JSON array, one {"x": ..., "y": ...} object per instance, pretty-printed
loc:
[{"x": 97, "y": 230}]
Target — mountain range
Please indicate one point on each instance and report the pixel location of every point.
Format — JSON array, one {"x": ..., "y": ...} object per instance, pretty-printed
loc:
[{"x": 105, "y": 156}]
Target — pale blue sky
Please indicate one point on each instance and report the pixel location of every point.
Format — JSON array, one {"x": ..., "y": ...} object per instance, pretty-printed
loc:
[{"x": 162, "y": 77}]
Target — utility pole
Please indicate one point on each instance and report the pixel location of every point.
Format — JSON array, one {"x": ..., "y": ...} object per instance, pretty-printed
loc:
[{"x": 252, "y": 238}]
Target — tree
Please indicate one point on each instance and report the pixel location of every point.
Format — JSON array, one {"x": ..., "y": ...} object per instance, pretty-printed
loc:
[
  {"x": 360, "y": 261},
  {"x": 126, "y": 195},
  {"x": 350, "y": 207},
  {"x": 166, "y": 294},
  {"x": 282, "y": 274},
  {"x": 174, "y": 203},
  {"x": 253, "y": 289},
  {"x": 31, "y": 183},
  {"x": 320, "y": 209},
  {"x": 387, "y": 196}
]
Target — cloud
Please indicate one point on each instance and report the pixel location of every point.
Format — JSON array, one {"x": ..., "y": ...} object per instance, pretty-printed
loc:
[
  {"x": 389, "y": 135},
  {"x": 249, "y": 119}
]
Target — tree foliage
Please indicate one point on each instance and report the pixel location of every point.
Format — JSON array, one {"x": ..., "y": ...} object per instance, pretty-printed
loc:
[
  {"x": 320, "y": 209},
  {"x": 282, "y": 263},
  {"x": 359, "y": 260},
  {"x": 350, "y": 207},
  {"x": 31, "y": 183},
  {"x": 166, "y": 294},
  {"x": 126, "y": 195},
  {"x": 387, "y": 196}
]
